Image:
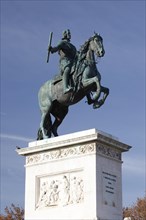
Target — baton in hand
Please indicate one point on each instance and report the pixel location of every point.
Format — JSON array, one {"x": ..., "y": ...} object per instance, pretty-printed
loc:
[{"x": 49, "y": 45}]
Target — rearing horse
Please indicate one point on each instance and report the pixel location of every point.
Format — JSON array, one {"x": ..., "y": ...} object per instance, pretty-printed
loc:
[{"x": 86, "y": 79}]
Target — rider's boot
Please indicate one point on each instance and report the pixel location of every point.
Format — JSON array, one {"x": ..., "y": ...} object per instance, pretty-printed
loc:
[{"x": 67, "y": 88}]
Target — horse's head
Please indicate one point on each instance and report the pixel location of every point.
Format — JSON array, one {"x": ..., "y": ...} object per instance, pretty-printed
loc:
[{"x": 96, "y": 44}]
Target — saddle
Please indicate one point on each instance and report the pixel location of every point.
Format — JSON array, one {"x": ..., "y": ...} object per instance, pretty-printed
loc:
[{"x": 75, "y": 75}]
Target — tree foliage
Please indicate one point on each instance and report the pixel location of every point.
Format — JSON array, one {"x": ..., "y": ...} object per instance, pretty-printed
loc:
[
  {"x": 136, "y": 211},
  {"x": 13, "y": 213}
]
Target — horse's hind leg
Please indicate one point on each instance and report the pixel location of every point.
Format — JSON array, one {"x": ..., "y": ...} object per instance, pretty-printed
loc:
[
  {"x": 48, "y": 125},
  {"x": 45, "y": 125},
  {"x": 59, "y": 116},
  {"x": 39, "y": 134},
  {"x": 45, "y": 128}
]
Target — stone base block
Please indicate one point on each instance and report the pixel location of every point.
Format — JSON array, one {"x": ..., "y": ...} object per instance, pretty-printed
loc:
[{"x": 74, "y": 176}]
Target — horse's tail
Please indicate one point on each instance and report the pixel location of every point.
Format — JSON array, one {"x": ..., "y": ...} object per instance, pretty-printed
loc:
[{"x": 44, "y": 94}]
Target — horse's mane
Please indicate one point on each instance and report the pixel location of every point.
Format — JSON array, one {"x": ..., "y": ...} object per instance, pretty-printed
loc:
[{"x": 84, "y": 47}]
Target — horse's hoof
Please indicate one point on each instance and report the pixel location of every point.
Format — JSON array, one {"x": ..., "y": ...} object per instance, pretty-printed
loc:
[
  {"x": 98, "y": 104},
  {"x": 46, "y": 137}
]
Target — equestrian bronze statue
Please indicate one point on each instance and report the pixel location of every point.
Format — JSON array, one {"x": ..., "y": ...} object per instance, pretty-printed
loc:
[{"x": 78, "y": 78}]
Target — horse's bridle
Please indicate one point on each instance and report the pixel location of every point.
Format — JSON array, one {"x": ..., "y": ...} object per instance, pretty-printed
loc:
[{"x": 98, "y": 39}]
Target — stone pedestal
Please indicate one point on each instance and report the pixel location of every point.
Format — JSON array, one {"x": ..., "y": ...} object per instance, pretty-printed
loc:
[{"x": 75, "y": 176}]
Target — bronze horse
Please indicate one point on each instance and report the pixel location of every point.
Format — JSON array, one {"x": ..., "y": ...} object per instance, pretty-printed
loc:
[{"x": 86, "y": 80}]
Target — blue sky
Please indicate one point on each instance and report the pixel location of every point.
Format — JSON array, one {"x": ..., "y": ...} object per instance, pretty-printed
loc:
[{"x": 25, "y": 28}]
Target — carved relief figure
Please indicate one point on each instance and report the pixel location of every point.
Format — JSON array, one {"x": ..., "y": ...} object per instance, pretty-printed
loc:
[
  {"x": 76, "y": 190},
  {"x": 54, "y": 193},
  {"x": 64, "y": 194},
  {"x": 62, "y": 191},
  {"x": 43, "y": 199}
]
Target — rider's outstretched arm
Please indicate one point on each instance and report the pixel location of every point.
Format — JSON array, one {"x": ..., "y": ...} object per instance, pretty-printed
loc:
[{"x": 55, "y": 49}]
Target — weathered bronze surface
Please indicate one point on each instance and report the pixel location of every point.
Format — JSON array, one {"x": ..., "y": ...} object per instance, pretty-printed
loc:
[{"x": 78, "y": 78}]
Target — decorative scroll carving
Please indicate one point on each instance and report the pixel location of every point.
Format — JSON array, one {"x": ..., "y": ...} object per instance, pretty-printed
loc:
[
  {"x": 114, "y": 142},
  {"x": 73, "y": 151},
  {"x": 108, "y": 151},
  {"x": 61, "y": 153},
  {"x": 60, "y": 190}
]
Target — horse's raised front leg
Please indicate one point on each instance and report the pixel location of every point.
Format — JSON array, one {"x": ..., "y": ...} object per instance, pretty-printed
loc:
[
  {"x": 105, "y": 92},
  {"x": 89, "y": 99},
  {"x": 99, "y": 103},
  {"x": 92, "y": 81}
]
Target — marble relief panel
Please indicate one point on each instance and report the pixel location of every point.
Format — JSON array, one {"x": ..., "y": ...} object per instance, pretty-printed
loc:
[{"x": 60, "y": 190}]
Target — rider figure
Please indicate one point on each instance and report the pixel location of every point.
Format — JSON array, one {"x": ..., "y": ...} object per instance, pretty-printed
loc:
[{"x": 67, "y": 52}]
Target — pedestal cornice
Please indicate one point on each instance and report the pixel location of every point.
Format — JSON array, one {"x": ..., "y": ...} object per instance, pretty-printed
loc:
[{"x": 71, "y": 140}]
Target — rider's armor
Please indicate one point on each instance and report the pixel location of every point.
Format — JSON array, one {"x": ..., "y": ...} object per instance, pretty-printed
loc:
[{"x": 67, "y": 52}]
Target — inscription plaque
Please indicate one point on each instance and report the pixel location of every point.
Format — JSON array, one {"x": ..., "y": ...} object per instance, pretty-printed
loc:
[{"x": 109, "y": 188}]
